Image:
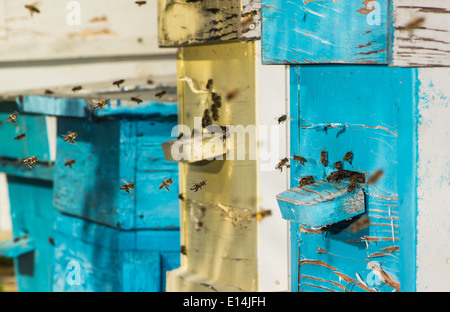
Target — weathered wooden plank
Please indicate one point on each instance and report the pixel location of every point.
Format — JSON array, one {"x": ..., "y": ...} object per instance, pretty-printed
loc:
[
  {"x": 324, "y": 32},
  {"x": 195, "y": 21},
  {"x": 421, "y": 33}
]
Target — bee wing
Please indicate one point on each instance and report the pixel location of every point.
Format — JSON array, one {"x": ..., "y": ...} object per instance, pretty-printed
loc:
[
  {"x": 91, "y": 103},
  {"x": 123, "y": 180}
]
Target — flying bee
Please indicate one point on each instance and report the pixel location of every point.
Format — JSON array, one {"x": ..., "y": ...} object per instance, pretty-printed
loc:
[
  {"x": 136, "y": 99},
  {"x": 118, "y": 83},
  {"x": 12, "y": 118},
  {"x": 338, "y": 165},
  {"x": 324, "y": 158},
  {"x": 348, "y": 157},
  {"x": 215, "y": 112},
  {"x": 216, "y": 99},
  {"x": 232, "y": 94},
  {"x": 198, "y": 186},
  {"x": 32, "y": 8},
  {"x": 166, "y": 184},
  {"x": 70, "y": 137},
  {"x": 306, "y": 181},
  {"x": 127, "y": 186},
  {"x": 30, "y": 161},
  {"x": 283, "y": 162},
  {"x": 283, "y": 118},
  {"x": 352, "y": 187},
  {"x": 139, "y": 3},
  {"x": 206, "y": 119},
  {"x": 77, "y": 88},
  {"x": 209, "y": 85},
  {"x": 19, "y": 137},
  {"x": 149, "y": 81},
  {"x": 100, "y": 105},
  {"x": 360, "y": 224},
  {"x": 414, "y": 23},
  {"x": 181, "y": 196},
  {"x": 48, "y": 92},
  {"x": 299, "y": 159},
  {"x": 69, "y": 162},
  {"x": 262, "y": 214},
  {"x": 246, "y": 20},
  {"x": 375, "y": 177},
  {"x": 160, "y": 94}
]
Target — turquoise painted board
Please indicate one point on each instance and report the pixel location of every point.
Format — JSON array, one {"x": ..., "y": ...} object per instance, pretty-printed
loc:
[
  {"x": 109, "y": 151},
  {"x": 90, "y": 257},
  {"x": 344, "y": 31},
  {"x": 32, "y": 214},
  {"x": 338, "y": 109}
]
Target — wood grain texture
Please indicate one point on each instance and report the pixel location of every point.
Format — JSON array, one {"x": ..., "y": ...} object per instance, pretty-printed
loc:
[
  {"x": 328, "y": 31},
  {"x": 190, "y": 22},
  {"x": 421, "y": 33},
  {"x": 329, "y": 259}
]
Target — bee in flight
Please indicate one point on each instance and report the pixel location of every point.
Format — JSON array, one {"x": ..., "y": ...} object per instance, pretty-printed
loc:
[
  {"x": 262, "y": 214},
  {"x": 232, "y": 94},
  {"x": 100, "y": 105},
  {"x": 127, "y": 186},
  {"x": 12, "y": 118},
  {"x": 30, "y": 161},
  {"x": 139, "y": 3},
  {"x": 283, "y": 162},
  {"x": 77, "y": 88},
  {"x": 70, "y": 137},
  {"x": 19, "y": 137},
  {"x": 118, "y": 83},
  {"x": 300, "y": 159},
  {"x": 375, "y": 177},
  {"x": 32, "y": 8},
  {"x": 198, "y": 186},
  {"x": 160, "y": 94},
  {"x": 136, "y": 99},
  {"x": 69, "y": 162},
  {"x": 166, "y": 184},
  {"x": 282, "y": 118}
]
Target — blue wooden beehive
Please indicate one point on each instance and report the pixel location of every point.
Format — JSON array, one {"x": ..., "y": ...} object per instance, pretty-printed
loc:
[
  {"x": 31, "y": 196},
  {"x": 94, "y": 257},
  {"x": 113, "y": 148},
  {"x": 320, "y": 204}
]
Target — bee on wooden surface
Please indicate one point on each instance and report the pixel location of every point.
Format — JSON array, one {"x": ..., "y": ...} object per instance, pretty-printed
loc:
[
  {"x": 51, "y": 241},
  {"x": 180, "y": 135},
  {"x": 262, "y": 214},
  {"x": 70, "y": 137},
  {"x": 100, "y": 105},
  {"x": 161, "y": 93},
  {"x": 283, "y": 162},
  {"x": 12, "y": 118},
  {"x": 48, "y": 92},
  {"x": 324, "y": 158},
  {"x": 181, "y": 196},
  {"x": 166, "y": 184},
  {"x": 139, "y": 3},
  {"x": 209, "y": 85},
  {"x": 69, "y": 162},
  {"x": 183, "y": 250},
  {"x": 118, "y": 83},
  {"x": 30, "y": 161},
  {"x": 206, "y": 119},
  {"x": 348, "y": 157},
  {"x": 198, "y": 186},
  {"x": 136, "y": 99},
  {"x": 246, "y": 20},
  {"x": 77, "y": 88},
  {"x": 232, "y": 94},
  {"x": 216, "y": 99},
  {"x": 306, "y": 181},
  {"x": 215, "y": 112},
  {"x": 360, "y": 224},
  {"x": 32, "y": 8},
  {"x": 338, "y": 165},
  {"x": 357, "y": 177},
  {"x": 375, "y": 177},
  {"x": 127, "y": 186},
  {"x": 352, "y": 187},
  {"x": 225, "y": 133},
  {"x": 20, "y": 137},
  {"x": 299, "y": 159}
]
